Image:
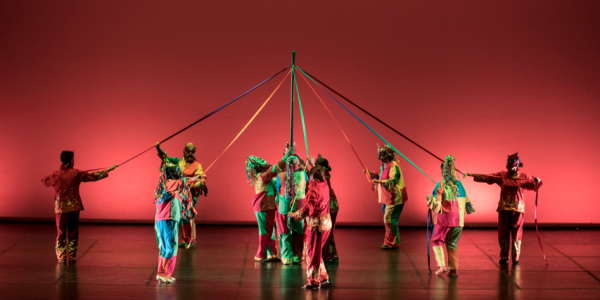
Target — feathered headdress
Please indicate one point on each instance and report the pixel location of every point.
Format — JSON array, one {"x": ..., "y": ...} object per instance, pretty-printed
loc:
[
  {"x": 170, "y": 172},
  {"x": 449, "y": 172},
  {"x": 253, "y": 164},
  {"x": 386, "y": 152}
]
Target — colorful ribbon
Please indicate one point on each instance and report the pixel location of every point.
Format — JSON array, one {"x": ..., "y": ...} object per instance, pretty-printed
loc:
[
  {"x": 429, "y": 217},
  {"x": 406, "y": 158},
  {"x": 301, "y": 115},
  {"x": 536, "y": 225},
  {"x": 247, "y": 124},
  {"x": 377, "y": 119},
  {"x": 210, "y": 114},
  {"x": 339, "y": 126}
]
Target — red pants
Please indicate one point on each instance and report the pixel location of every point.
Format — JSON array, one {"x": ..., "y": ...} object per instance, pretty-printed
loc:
[
  {"x": 188, "y": 231},
  {"x": 329, "y": 249},
  {"x": 67, "y": 223},
  {"x": 166, "y": 266},
  {"x": 510, "y": 224},
  {"x": 315, "y": 269},
  {"x": 266, "y": 242}
]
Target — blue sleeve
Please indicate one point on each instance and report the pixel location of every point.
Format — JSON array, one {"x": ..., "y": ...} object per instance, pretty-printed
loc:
[
  {"x": 435, "y": 189},
  {"x": 306, "y": 176},
  {"x": 278, "y": 184},
  {"x": 461, "y": 189}
]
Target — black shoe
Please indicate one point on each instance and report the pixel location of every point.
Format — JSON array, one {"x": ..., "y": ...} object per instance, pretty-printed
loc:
[
  {"x": 311, "y": 287},
  {"x": 503, "y": 262},
  {"x": 515, "y": 262}
]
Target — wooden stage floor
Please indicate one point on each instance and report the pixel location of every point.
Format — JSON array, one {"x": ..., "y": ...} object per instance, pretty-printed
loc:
[{"x": 119, "y": 262}]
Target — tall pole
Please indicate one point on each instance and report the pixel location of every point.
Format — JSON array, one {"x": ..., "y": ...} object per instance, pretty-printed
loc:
[{"x": 292, "y": 100}]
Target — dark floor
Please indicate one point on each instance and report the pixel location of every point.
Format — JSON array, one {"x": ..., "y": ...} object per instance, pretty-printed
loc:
[{"x": 119, "y": 262}]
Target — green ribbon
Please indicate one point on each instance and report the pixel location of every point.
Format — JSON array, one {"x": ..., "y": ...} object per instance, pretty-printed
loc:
[{"x": 301, "y": 114}]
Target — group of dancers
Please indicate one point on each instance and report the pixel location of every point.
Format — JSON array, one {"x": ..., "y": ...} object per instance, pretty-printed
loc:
[{"x": 296, "y": 208}]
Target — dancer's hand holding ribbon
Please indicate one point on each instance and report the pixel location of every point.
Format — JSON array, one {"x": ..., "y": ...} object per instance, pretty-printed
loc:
[
  {"x": 193, "y": 180},
  {"x": 311, "y": 161},
  {"x": 161, "y": 153},
  {"x": 433, "y": 204}
]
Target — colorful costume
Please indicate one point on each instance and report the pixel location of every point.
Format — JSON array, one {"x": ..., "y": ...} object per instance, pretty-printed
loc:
[
  {"x": 391, "y": 193},
  {"x": 67, "y": 205},
  {"x": 189, "y": 170},
  {"x": 260, "y": 174},
  {"x": 173, "y": 203},
  {"x": 318, "y": 227},
  {"x": 450, "y": 202},
  {"x": 291, "y": 231},
  {"x": 511, "y": 207},
  {"x": 329, "y": 250}
]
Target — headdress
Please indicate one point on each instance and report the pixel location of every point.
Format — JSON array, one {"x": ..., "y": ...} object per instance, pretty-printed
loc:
[
  {"x": 513, "y": 160},
  {"x": 323, "y": 162},
  {"x": 190, "y": 146},
  {"x": 253, "y": 164},
  {"x": 386, "y": 152},
  {"x": 167, "y": 172},
  {"x": 448, "y": 172}
]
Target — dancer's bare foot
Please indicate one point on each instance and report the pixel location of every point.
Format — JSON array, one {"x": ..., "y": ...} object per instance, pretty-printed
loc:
[{"x": 441, "y": 271}]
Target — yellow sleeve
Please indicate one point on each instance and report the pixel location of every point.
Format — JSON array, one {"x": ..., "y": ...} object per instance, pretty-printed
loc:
[{"x": 200, "y": 172}]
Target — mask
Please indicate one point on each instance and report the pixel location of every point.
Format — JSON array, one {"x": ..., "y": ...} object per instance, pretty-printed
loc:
[
  {"x": 513, "y": 161},
  {"x": 189, "y": 152},
  {"x": 385, "y": 152}
]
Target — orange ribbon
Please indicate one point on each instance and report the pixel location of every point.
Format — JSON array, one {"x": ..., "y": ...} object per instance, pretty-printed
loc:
[
  {"x": 340, "y": 127},
  {"x": 247, "y": 124}
]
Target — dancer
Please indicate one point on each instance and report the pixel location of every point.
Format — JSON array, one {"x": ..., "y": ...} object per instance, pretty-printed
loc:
[
  {"x": 67, "y": 202},
  {"x": 260, "y": 174},
  {"x": 511, "y": 207},
  {"x": 173, "y": 203},
  {"x": 391, "y": 192},
  {"x": 450, "y": 202},
  {"x": 318, "y": 227},
  {"x": 329, "y": 250},
  {"x": 291, "y": 231},
  {"x": 190, "y": 167}
]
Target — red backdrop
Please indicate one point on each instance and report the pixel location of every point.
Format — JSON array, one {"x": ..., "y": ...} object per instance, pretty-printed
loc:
[{"x": 475, "y": 79}]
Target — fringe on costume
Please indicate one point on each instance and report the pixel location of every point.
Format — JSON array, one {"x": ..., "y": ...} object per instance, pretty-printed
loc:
[{"x": 469, "y": 208}]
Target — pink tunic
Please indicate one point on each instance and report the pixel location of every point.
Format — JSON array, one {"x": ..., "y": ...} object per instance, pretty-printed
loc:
[
  {"x": 511, "y": 194},
  {"x": 261, "y": 201},
  {"x": 171, "y": 209}
]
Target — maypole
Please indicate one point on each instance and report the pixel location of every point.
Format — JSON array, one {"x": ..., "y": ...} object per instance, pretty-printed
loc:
[
  {"x": 292, "y": 99},
  {"x": 290, "y": 186}
]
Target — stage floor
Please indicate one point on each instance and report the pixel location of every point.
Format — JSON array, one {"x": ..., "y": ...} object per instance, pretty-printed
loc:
[{"x": 119, "y": 262}]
